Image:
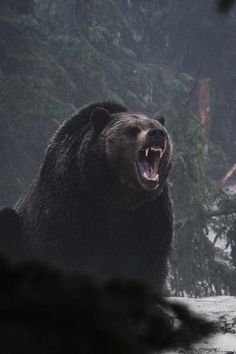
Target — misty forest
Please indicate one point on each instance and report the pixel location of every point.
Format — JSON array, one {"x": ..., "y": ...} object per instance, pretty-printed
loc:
[{"x": 171, "y": 58}]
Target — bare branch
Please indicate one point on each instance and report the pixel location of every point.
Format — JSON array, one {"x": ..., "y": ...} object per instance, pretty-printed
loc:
[{"x": 231, "y": 171}]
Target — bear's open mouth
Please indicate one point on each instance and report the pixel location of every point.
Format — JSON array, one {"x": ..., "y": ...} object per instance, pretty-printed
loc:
[{"x": 148, "y": 162}]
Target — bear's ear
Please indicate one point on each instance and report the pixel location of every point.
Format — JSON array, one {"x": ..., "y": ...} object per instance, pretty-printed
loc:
[
  {"x": 161, "y": 120},
  {"x": 100, "y": 117}
]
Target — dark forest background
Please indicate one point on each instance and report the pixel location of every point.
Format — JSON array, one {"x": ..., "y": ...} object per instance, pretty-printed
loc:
[{"x": 174, "y": 58}]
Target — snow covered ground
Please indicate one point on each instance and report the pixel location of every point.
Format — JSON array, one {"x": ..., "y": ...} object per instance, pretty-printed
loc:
[{"x": 220, "y": 309}]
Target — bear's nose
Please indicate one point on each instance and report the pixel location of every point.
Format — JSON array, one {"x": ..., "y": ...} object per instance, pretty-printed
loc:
[{"x": 156, "y": 133}]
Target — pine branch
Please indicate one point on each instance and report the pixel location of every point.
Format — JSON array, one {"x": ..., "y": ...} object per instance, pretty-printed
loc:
[
  {"x": 179, "y": 223},
  {"x": 220, "y": 212}
]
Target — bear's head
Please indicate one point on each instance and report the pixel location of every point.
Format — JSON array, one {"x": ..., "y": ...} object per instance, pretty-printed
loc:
[{"x": 137, "y": 148}]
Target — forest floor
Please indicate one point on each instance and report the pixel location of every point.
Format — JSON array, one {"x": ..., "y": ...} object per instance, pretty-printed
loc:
[{"x": 220, "y": 309}]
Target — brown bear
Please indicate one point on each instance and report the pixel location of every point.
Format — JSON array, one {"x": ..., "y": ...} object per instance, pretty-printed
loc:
[{"x": 101, "y": 198}]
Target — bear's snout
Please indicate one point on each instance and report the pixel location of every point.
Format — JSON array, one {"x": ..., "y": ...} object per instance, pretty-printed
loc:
[{"x": 155, "y": 133}]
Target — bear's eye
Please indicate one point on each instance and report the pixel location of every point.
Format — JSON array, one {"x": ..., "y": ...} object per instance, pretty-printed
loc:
[{"x": 133, "y": 132}]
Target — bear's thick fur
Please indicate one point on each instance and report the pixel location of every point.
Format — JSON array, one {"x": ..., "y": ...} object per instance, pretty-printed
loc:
[{"x": 101, "y": 199}]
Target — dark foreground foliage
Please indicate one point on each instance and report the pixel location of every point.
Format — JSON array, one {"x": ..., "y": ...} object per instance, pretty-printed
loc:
[
  {"x": 45, "y": 309},
  {"x": 225, "y": 5}
]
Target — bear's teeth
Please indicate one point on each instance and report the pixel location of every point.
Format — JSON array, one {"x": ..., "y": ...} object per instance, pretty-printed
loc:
[
  {"x": 158, "y": 149},
  {"x": 152, "y": 148}
]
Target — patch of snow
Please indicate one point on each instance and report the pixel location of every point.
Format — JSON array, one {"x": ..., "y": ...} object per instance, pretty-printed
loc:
[
  {"x": 220, "y": 309},
  {"x": 221, "y": 343},
  {"x": 220, "y": 243},
  {"x": 230, "y": 190}
]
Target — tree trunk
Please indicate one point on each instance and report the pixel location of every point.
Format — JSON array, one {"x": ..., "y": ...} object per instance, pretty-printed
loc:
[{"x": 204, "y": 104}]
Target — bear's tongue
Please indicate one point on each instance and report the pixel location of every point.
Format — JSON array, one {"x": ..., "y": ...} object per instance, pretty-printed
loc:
[
  {"x": 147, "y": 170},
  {"x": 148, "y": 161}
]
